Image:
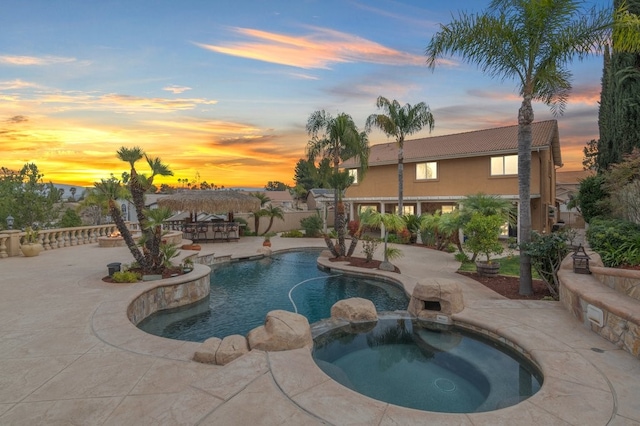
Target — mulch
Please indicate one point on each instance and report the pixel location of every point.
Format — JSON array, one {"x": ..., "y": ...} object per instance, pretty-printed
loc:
[
  {"x": 167, "y": 273},
  {"x": 509, "y": 286}
]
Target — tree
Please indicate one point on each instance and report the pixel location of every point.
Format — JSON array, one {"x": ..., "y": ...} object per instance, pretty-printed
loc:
[
  {"x": 69, "y": 219},
  {"x": 264, "y": 200},
  {"x": 392, "y": 223},
  {"x": 276, "y": 186},
  {"x": 619, "y": 112},
  {"x": 111, "y": 190},
  {"x": 531, "y": 42},
  {"x": 592, "y": 198},
  {"x": 338, "y": 139},
  {"x": 25, "y": 197},
  {"x": 398, "y": 122},
  {"x": 590, "y": 159},
  {"x": 272, "y": 212},
  {"x": 73, "y": 193}
]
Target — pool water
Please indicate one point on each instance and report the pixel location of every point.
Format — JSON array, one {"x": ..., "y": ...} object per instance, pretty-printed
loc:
[
  {"x": 242, "y": 293},
  {"x": 426, "y": 367}
]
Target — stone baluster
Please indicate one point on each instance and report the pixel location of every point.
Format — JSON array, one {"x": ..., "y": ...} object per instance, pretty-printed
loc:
[
  {"x": 3, "y": 246},
  {"x": 72, "y": 237}
]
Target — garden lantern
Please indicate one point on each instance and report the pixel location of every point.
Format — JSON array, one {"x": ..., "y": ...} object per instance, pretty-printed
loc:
[
  {"x": 580, "y": 261},
  {"x": 10, "y": 222}
]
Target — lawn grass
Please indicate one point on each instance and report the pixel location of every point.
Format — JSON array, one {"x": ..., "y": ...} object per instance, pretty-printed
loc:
[{"x": 509, "y": 265}]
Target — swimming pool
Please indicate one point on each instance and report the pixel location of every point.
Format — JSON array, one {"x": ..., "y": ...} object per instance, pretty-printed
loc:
[
  {"x": 242, "y": 293},
  {"x": 426, "y": 366}
]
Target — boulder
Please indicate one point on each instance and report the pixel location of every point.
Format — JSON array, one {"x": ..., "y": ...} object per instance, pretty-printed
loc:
[
  {"x": 436, "y": 297},
  {"x": 231, "y": 347},
  {"x": 282, "y": 331},
  {"x": 207, "y": 351},
  {"x": 355, "y": 309}
]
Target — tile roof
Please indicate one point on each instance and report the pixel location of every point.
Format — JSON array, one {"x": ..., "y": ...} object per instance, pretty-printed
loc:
[{"x": 501, "y": 140}]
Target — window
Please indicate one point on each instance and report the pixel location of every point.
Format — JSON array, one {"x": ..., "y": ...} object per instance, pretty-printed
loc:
[
  {"x": 504, "y": 165},
  {"x": 448, "y": 208},
  {"x": 406, "y": 210},
  {"x": 354, "y": 174},
  {"x": 426, "y": 171}
]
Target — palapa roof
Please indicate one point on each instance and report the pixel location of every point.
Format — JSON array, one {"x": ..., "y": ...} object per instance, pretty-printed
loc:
[
  {"x": 211, "y": 201},
  {"x": 497, "y": 141}
]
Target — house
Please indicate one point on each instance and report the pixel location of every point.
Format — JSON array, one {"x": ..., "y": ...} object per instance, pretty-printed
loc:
[
  {"x": 567, "y": 186},
  {"x": 440, "y": 171},
  {"x": 318, "y": 198},
  {"x": 282, "y": 199}
]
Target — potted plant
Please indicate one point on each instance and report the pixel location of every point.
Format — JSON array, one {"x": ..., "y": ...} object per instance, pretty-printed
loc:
[
  {"x": 483, "y": 232},
  {"x": 267, "y": 239},
  {"x": 30, "y": 246}
]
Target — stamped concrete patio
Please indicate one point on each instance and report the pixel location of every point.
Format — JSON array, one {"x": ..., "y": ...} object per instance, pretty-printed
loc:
[{"x": 68, "y": 355}]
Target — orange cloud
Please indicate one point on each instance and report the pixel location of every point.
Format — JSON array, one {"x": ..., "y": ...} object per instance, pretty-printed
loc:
[{"x": 319, "y": 49}]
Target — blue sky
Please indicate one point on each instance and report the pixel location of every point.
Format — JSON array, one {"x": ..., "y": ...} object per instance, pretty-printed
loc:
[{"x": 222, "y": 90}]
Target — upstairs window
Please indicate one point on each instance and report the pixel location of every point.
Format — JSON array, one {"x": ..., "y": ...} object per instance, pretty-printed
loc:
[
  {"x": 427, "y": 171},
  {"x": 504, "y": 165},
  {"x": 354, "y": 174}
]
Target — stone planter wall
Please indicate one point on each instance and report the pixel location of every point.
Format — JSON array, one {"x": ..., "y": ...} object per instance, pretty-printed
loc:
[
  {"x": 606, "y": 301},
  {"x": 171, "y": 293}
]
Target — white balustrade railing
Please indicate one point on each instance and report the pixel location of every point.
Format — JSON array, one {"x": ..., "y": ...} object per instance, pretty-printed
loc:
[{"x": 57, "y": 238}]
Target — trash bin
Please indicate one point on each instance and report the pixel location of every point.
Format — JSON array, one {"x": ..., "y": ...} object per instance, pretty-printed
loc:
[{"x": 113, "y": 267}]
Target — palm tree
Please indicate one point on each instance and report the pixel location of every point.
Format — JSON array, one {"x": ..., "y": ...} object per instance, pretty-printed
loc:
[
  {"x": 392, "y": 223},
  {"x": 272, "y": 212},
  {"x": 531, "y": 42},
  {"x": 400, "y": 121},
  {"x": 109, "y": 191},
  {"x": 338, "y": 139},
  {"x": 264, "y": 200}
]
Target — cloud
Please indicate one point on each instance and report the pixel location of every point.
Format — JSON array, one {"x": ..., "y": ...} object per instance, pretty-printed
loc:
[
  {"x": 176, "y": 89},
  {"x": 34, "y": 60},
  {"x": 320, "y": 49},
  {"x": 154, "y": 103},
  {"x": 18, "y": 119},
  {"x": 16, "y": 84}
]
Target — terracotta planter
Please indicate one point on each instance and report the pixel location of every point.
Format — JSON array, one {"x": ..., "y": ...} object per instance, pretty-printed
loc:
[
  {"x": 488, "y": 269},
  {"x": 266, "y": 244},
  {"x": 195, "y": 247},
  {"x": 30, "y": 250}
]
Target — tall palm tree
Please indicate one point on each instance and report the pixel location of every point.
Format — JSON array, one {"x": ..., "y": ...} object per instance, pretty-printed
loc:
[
  {"x": 110, "y": 190},
  {"x": 400, "y": 121},
  {"x": 531, "y": 41},
  {"x": 338, "y": 139}
]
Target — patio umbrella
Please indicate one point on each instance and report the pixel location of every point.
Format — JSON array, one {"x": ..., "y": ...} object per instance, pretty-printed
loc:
[{"x": 210, "y": 201}]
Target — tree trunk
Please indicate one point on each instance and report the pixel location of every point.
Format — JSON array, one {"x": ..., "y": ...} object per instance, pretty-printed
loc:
[
  {"x": 330, "y": 245},
  {"x": 342, "y": 247},
  {"x": 400, "y": 177},
  {"x": 352, "y": 246},
  {"x": 126, "y": 234},
  {"x": 525, "y": 118}
]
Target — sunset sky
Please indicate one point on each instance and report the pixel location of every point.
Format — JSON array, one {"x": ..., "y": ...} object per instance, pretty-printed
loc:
[{"x": 223, "y": 89}]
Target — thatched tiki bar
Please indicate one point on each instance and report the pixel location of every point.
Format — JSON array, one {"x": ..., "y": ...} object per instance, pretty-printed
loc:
[{"x": 210, "y": 201}]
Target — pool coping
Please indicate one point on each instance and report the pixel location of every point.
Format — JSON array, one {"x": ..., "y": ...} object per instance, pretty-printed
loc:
[{"x": 308, "y": 387}]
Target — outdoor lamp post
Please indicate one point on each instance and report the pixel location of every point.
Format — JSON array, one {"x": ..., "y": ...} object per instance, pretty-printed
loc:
[
  {"x": 10, "y": 222},
  {"x": 580, "y": 261}
]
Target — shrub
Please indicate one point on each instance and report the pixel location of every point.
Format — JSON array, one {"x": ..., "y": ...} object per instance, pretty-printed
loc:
[
  {"x": 369, "y": 246},
  {"x": 126, "y": 277},
  {"x": 353, "y": 227},
  {"x": 462, "y": 257},
  {"x": 311, "y": 225},
  {"x": 547, "y": 252},
  {"x": 483, "y": 234},
  {"x": 617, "y": 241},
  {"x": 294, "y": 233}
]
